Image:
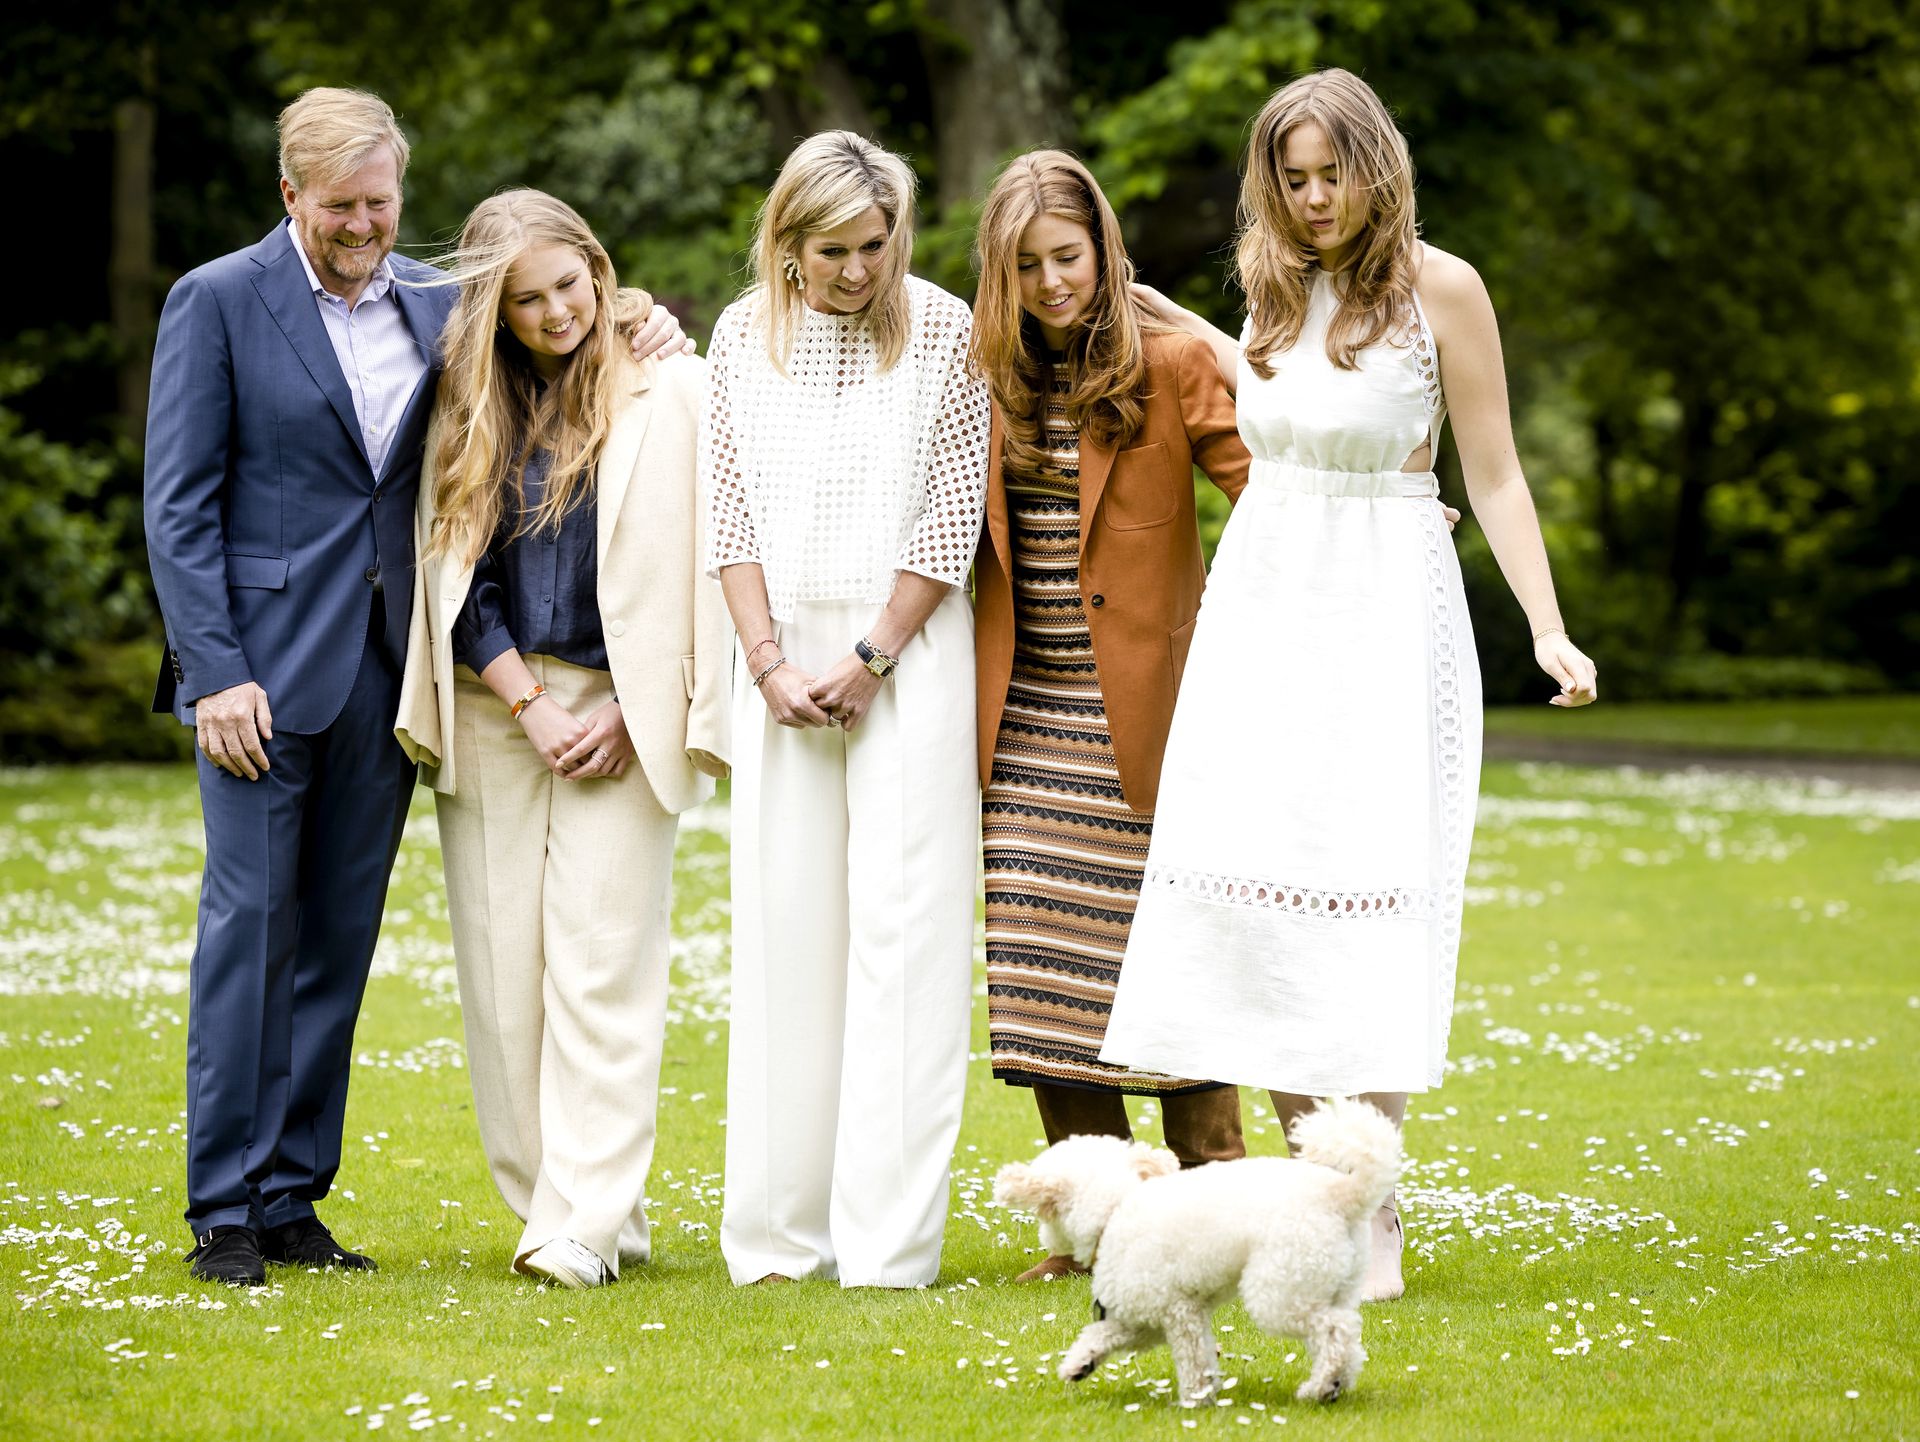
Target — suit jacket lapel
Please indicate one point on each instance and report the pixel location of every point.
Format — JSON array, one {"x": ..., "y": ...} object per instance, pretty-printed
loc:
[
  {"x": 423, "y": 322},
  {"x": 999, "y": 527},
  {"x": 1096, "y": 463},
  {"x": 621, "y": 452},
  {"x": 282, "y": 285}
]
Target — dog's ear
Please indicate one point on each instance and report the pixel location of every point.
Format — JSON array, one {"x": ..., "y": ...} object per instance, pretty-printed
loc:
[
  {"x": 1019, "y": 1185},
  {"x": 1150, "y": 1162}
]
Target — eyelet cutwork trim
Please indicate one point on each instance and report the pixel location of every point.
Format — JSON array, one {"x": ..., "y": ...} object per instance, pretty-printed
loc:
[
  {"x": 1416, "y": 904},
  {"x": 1426, "y": 358},
  {"x": 1449, "y": 762}
]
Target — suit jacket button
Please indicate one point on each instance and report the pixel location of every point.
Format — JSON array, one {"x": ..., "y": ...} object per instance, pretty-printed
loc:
[
  {"x": 373, "y": 573},
  {"x": 1098, "y": 600},
  {"x": 616, "y": 628}
]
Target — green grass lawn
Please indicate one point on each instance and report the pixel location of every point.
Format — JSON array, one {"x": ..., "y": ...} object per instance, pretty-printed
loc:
[
  {"x": 1668, "y": 1191},
  {"x": 1844, "y": 725}
]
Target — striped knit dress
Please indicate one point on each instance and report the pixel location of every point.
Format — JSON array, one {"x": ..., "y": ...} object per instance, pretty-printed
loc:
[{"x": 1064, "y": 852}]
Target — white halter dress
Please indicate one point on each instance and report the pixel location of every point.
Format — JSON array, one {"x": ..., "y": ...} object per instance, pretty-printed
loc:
[{"x": 1299, "y": 923}]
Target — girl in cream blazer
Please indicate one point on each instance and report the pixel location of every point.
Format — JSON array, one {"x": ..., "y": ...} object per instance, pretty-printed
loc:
[{"x": 561, "y": 755}]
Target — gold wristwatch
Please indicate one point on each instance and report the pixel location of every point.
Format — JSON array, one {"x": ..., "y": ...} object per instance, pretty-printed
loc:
[{"x": 874, "y": 660}]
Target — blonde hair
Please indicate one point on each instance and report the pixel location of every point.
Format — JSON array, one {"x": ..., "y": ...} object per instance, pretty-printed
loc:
[
  {"x": 829, "y": 180},
  {"x": 328, "y": 133},
  {"x": 1106, "y": 354},
  {"x": 1274, "y": 260},
  {"x": 492, "y": 414}
]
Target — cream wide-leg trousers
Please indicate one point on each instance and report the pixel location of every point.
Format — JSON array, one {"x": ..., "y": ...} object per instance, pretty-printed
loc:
[
  {"x": 559, "y": 893},
  {"x": 855, "y": 863}
]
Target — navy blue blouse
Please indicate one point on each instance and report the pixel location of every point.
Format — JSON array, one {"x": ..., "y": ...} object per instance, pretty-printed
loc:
[{"x": 536, "y": 593}]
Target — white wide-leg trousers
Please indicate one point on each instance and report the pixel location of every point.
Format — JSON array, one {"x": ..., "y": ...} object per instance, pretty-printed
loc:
[
  {"x": 558, "y": 892},
  {"x": 855, "y": 863}
]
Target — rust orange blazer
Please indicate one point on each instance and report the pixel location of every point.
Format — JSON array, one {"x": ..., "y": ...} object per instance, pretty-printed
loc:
[{"x": 1141, "y": 571}]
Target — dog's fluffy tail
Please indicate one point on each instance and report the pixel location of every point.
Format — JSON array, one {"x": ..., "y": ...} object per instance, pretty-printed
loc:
[{"x": 1356, "y": 1139}]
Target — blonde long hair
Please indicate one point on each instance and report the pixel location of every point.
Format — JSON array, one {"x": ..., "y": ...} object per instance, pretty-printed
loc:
[
  {"x": 1107, "y": 356},
  {"x": 830, "y": 179},
  {"x": 493, "y": 414},
  {"x": 1274, "y": 260}
]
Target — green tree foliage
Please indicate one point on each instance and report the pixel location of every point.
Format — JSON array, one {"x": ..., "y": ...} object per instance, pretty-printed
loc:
[
  {"x": 78, "y": 665},
  {"x": 1697, "y": 225},
  {"x": 1696, "y": 222}
]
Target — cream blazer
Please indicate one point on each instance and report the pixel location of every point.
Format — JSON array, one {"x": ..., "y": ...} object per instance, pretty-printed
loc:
[{"x": 669, "y": 640}]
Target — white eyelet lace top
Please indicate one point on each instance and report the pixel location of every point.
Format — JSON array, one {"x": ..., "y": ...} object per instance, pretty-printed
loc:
[{"x": 836, "y": 476}]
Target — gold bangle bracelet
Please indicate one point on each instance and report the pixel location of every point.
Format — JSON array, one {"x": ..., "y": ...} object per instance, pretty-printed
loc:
[{"x": 527, "y": 700}]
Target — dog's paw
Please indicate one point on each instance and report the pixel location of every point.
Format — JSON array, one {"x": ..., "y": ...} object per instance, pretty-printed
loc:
[
  {"x": 1311, "y": 1391},
  {"x": 1078, "y": 1365}
]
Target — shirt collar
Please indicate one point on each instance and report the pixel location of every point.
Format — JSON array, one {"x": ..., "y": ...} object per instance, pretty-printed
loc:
[{"x": 376, "y": 289}]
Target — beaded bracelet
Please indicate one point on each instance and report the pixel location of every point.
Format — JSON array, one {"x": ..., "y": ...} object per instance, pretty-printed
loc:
[
  {"x": 1551, "y": 631},
  {"x": 527, "y": 700},
  {"x": 757, "y": 645},
  {"x": 777, "y": 664}
]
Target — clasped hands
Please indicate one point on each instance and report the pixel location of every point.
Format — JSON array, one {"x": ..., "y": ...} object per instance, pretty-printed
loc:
[
  {"x": 838, "y": 698},
  {"x": 576, "y": 750}
]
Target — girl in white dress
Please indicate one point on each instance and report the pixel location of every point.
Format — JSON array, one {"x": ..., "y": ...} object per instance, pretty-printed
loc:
[
  {"x": 844, "y": 456},
  {"x": 1299, "y": 924}
]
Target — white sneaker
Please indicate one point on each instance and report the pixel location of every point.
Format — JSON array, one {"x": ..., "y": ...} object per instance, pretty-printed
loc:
[{"x": 566, "y": 1263}]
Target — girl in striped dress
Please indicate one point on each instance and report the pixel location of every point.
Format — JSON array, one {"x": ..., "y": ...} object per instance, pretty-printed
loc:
[{"x": 1088, "y": 581}]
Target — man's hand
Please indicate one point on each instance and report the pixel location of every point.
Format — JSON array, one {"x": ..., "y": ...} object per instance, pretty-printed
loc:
[
  {"x": 660, "y": 334},
  {"x": 232, "y": 728}
]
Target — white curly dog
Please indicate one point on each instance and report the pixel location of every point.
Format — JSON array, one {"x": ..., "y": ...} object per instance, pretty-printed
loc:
[{"x": 1167, "y": 1247}]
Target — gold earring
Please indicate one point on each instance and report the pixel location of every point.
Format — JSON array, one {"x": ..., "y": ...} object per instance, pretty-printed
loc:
[{"x": 791, "y": 268}]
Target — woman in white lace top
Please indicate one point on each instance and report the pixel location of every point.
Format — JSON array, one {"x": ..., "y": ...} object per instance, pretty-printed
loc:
[{"x": 844, "y": 459}]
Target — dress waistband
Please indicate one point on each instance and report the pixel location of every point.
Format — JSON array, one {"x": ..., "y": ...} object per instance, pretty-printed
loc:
[{"x": 1292, "y": 476}]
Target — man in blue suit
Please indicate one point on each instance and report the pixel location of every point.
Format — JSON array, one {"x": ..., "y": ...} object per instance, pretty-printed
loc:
[{"x": 292, "y": 384}]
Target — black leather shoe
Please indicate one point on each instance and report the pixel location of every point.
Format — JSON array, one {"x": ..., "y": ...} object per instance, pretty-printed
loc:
[
  {"x": 230, "y": 1255},
  {"x": 308, "y": 1243}
]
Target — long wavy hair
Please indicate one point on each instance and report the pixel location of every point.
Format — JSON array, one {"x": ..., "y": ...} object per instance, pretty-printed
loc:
[
  {"x": 1106, "y": 352},
  {"x": 493, "y": 415},
  {"x": 1274, "y": 260},
  {"x": 830, "y": 179}
]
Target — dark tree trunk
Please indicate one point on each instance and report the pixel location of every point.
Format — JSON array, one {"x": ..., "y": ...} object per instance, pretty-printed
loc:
[
  {"x": 998, "y": 74},
  {"x": 130, "y": 272},
  {"x": 827, "y": 100},
  {"x": 1606, "y": 520}
]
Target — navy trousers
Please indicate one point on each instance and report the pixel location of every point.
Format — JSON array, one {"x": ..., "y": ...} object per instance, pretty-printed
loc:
[{"x": 296, "y": 879}]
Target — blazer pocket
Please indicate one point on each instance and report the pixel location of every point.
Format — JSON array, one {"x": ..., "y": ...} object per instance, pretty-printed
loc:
[
  {"x": 1178, "y": 644},
  {"x": 1140, "y": 489},
  {"x": 686, "y": 674},
  {"x": 267, "y": 573}
]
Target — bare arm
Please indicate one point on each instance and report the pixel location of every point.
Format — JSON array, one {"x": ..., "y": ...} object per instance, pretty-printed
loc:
[
  {"x": 1226, "y": 350},
  {"x": 1473, "y": 377},
  {"x": 552, "y": 729},
  {"x": 784, "y": 685}
]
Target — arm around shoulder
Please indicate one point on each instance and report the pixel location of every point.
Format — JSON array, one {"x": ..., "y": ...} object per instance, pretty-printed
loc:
[{"x": 1211, "y": 419}]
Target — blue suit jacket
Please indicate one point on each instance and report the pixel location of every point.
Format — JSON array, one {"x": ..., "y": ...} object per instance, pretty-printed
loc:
[{"x": 265, "y": 522}]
